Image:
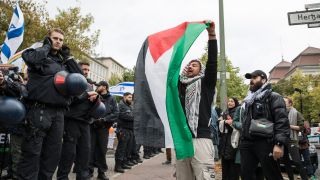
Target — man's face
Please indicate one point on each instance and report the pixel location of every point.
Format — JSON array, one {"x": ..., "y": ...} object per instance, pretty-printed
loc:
[
  {"x": 85, "y": 69},
  {"x": 256, "y": 83},
  {"x": 288, "y": 105},
  {"x": 128, "y": 99},
  {"x": 101, "y": 89},
  {"x": 193, "y": 69},
  {"x": 231, "y": 103},
  {"x": 57, "y": 40}
]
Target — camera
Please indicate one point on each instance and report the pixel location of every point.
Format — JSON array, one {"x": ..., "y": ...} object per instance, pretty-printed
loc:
[{"x": 12, "y": 74}]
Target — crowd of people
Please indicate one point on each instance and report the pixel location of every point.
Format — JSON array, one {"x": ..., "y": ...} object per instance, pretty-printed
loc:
[
  {"x": 64, "y": 128},
  {"x": 260, "y": 151}
]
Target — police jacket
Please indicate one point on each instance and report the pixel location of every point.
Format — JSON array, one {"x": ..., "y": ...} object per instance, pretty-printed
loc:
[
  {"x": 112, "y": 111},
  {"x": 207, "y": 92},
  {"x": 273, "y": 108},
  {"x": 80, "y": 107},
  {"x": 125, "y": 119},
  {"x": 42, "y": 66}
]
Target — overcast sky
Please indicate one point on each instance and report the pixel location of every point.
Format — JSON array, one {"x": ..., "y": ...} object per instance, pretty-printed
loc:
[{"x": 257, "y": 31}]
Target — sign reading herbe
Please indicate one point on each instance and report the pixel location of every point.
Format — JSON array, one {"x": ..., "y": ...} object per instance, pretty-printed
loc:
[{"x": 304, "y": 17}]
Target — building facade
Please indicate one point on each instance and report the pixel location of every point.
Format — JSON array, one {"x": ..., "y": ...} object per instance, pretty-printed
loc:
[
  {"x": 279, "y": 71},
  {"x": 114, "y": 67},
  {"x": 307, "y": 62},
  {"x": 98, "y": 71}
]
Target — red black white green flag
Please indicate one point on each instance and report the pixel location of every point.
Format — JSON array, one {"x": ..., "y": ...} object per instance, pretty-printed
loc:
[{"x": 159, "y": 118}]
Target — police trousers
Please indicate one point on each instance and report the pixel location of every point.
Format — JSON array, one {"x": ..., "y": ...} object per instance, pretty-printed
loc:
[
  {"x": 76, "y": 147},
  {"x": 41, "y": 147},
  {"x": 99, "y": 147}
]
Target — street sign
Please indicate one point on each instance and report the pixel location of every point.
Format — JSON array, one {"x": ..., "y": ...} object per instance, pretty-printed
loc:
[
  {"x": 314, "y": 25},
  {"x": 304, "y": 17},
  {"x": 312, "y": 6}
]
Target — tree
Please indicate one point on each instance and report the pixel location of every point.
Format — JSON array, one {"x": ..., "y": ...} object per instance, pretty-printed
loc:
[
  {"x": 114, "y": 80},
  {"x": 235, "y": 84},
  {"x": 77, "y": 31},
  {"x": 35, "y": 17},
  {"x": 128, "y": 75},
  {"x": 78, "y": 35},
  {"x": 310, "y": 93}
]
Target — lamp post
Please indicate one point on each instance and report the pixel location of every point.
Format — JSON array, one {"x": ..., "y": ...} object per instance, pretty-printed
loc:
[
  {"x": 300, "y": 91},
  {"x": 223, "y": 81}
]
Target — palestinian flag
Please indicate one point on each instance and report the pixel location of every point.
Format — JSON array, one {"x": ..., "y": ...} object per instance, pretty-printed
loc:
[{"x": 159, "y": 118}]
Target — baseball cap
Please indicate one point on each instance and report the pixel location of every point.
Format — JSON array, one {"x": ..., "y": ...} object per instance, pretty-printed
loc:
[
  {"x": 256, "y": 73},
  {"x": 103, "y": 83}
]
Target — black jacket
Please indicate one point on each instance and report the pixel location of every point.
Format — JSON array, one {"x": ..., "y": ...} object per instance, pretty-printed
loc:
[
  {"x": 225, "y": 148},
  {"x": 125, "y": 116},
  {"x": 273, "y": 108},
  {"x": 112, "y": 111},
  {"x": 207, "y": 92},
  {"x": 80, "y": 107},
  {"x": 42, "y": 66}
]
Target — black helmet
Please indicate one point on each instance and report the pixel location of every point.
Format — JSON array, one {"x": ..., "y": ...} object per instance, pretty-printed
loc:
[
  {"x": 12, "y": 111},
  {"x": 72, "y": 84},
  {"x": 98, "y": 110}
]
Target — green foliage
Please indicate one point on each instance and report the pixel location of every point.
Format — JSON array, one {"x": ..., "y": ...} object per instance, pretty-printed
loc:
[
  {"x": 309, "y": 84},
  {"x": 77, "y": 31},
  {"x": 235, "y": 85},
  {"x": 35, "y": 17},
  {"x": 114, "y": 80},
  {"x": 78, "y": 35},
  {"x": 128, "y": 75}
]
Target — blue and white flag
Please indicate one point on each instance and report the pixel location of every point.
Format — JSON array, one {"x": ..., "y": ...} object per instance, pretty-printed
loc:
[
  {"x": 14, "y": 35},
  {"x": 121, "y": 88}
]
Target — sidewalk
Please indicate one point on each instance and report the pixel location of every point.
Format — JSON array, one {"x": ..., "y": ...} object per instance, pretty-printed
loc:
[{"x": 149, "y": 169}]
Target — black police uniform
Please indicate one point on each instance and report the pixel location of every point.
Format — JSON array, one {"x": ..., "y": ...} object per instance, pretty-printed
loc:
[
  {"x": 125, "y": 134},
  {"x": 76, "y": 138},
  {"x": 11, "y": 88},
  {"x": 100, "y": 134},
  {"x": 42, "y": 144}
]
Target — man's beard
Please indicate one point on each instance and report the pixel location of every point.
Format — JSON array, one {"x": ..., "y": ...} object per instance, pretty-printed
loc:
[
  {"x": 128, "y": 102},
  {"x": 256, "y": 86}
]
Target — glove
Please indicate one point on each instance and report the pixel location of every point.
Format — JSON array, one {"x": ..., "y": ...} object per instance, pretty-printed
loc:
[
  {"x": 99, "y": 123},
  {"x": 65, "y": 52},
  {"x": 47, "y": 41}
]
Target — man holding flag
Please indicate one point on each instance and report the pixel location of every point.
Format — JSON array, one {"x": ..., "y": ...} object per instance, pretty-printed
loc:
[
  {"x": 14, "y": 35},
  {"x": 175, "y": 109},
  {"x": 196, "y": 90}
]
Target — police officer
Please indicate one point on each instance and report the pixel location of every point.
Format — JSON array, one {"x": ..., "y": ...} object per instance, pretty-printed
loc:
[
  {"x": 124, "y": 134},
  {"x": 76, "y": 138},
  {"x": 42, "y": 144},
  {"x": 100, "y": 131},
  {"x": 12, "y": 88}
]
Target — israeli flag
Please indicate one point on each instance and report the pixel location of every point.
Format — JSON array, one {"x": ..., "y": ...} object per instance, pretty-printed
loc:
[
  {"x": 14, "y": 36},
  {"x": 121, "y": 88}
]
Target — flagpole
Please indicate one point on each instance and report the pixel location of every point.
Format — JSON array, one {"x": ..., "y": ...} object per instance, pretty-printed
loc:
[{"x": 223, "y": 79}]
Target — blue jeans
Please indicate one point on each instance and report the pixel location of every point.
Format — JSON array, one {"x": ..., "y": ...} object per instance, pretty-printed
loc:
[{"x": 306, "y": 156}]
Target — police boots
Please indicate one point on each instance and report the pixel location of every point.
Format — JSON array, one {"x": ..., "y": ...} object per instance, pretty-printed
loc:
[
  {"x": 118, "y": 167},
  {"x": 102, "y": 176}
]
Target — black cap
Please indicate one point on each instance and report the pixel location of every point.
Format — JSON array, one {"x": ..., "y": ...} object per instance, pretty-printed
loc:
[
  {"x": 103, "y": 83},
  {"x": 256, "y": 73}
]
